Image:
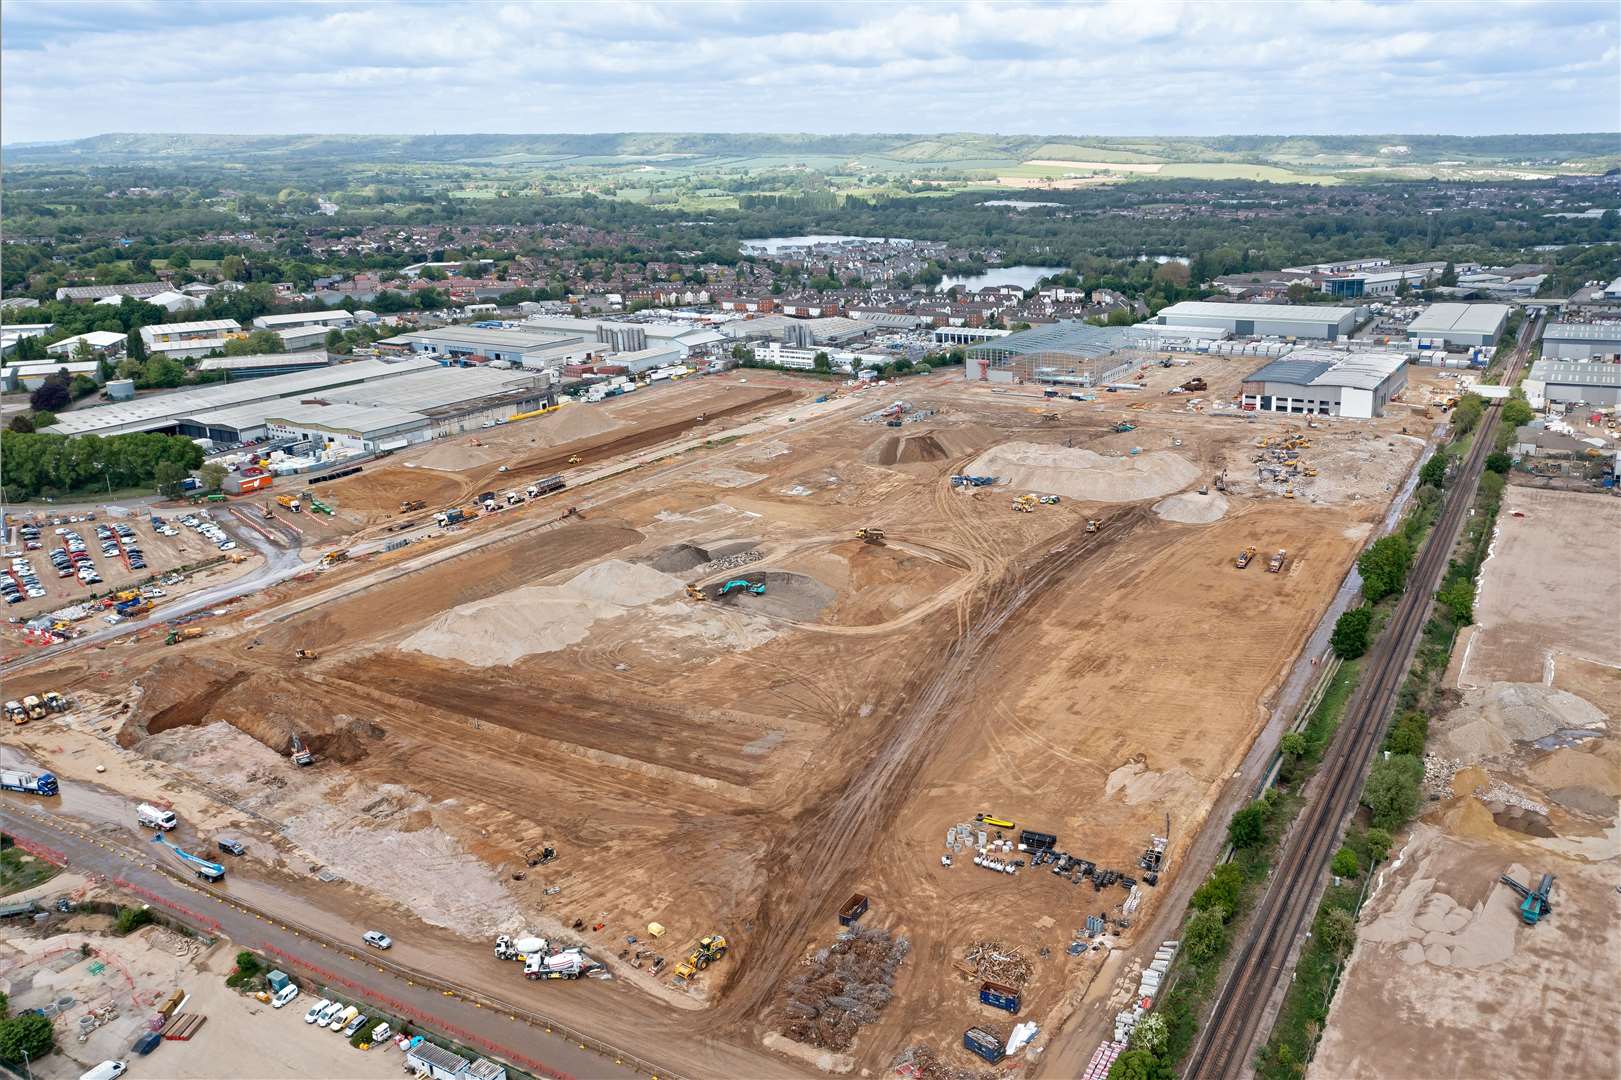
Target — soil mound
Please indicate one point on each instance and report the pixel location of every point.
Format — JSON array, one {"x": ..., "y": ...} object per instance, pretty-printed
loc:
[
  {"x": 679, "y": 558},
  {"x": 934, "y": 444},
  {"x": 1084, "y": 475},
  {"x": 1191, "y": 508},
  {"x": 539, "y": 619}
]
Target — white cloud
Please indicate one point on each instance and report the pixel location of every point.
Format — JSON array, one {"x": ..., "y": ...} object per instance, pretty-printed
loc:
[{"x": 75, "y": 69}]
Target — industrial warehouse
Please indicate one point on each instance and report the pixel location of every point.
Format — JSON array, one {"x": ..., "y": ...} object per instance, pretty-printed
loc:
[
  {"x": 1581, "y": 341},
  {"x": 1356, "y": 385},
  {"x": 1459, "y": 325},
  {"x": 1567, "y": 382},
  {"x": 414, "y": 399},
  {"x": 1263, "y": 320},
  {"x": 1069, "y": 353}
]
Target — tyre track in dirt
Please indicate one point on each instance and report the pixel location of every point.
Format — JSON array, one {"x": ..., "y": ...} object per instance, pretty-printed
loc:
[{"x": 828, "y": 849}]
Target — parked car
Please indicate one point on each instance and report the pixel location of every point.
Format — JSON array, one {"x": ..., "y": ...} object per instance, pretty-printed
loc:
[
  {"x": 230, "y": 846},
  {"x": 377, "y": 939}
]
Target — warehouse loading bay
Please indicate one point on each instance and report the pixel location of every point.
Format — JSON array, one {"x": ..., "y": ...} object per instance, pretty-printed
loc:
[{"x": 726, "y": 690}]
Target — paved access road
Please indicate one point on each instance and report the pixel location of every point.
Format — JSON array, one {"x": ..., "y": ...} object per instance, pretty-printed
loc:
[{"x": 505, "y": 1033}]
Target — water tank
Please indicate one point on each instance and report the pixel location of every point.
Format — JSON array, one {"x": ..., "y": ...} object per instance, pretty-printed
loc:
[{"x": 121, "y": 389}]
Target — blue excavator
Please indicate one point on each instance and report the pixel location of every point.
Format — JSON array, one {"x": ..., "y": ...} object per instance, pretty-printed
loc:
[
  {"x": 743, "y": 584},
  {"x": 1533, "y": 904}
]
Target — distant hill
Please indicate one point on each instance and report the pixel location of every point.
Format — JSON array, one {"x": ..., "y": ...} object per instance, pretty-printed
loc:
[{"x": 901, "y": 151}]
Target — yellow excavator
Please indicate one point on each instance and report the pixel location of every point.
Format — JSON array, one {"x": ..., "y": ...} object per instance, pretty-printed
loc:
[{"x": 710, "y": 948}]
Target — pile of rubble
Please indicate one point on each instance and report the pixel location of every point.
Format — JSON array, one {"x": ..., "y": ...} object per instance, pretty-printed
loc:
[
  {"x": 845, "y": 986},
  {"x": 991, "y": 960},
  {"x": 1438, "y": 773},
  {"x": 727, "y": 562},
  {"x": 923, "y": 1063},
  {"x": 1502, "y": 793}
]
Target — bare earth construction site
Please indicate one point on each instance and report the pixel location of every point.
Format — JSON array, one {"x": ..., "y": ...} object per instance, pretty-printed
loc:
[{"x": 742, "y": 763}]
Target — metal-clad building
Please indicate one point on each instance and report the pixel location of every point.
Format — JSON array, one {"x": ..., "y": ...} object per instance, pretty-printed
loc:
[
  {"x": 1459, "y": 324},
  {"x": 264, "y": 365},
  {"x": 1262, "y": 320},
  {"x": 522, "y": 346},
  {"x": 1581, "y": 341},
  {"x": 1355, "y": 385},
  {"x": 1565, "y": 382},
  {"x": 1067, "y": 353}
]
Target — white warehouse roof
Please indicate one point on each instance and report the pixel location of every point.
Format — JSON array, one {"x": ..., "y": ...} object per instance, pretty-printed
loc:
[
  {"x": 1440, "y": 319},
  {"x": 1327, "y": 367},
  {"x": 162, "y": 410},
  {"x": 1576, "y": 373},
  {"x": 1213, "y": 309}
]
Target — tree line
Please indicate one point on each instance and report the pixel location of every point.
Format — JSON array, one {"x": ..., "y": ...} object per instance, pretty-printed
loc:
[{"x": 39, "y": 464}]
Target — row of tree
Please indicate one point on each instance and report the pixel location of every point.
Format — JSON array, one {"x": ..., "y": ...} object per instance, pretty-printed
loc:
[{"x": 39, "y": 464}]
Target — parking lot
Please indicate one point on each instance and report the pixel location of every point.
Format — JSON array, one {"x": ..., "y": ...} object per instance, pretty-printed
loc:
[{"x": 51, "y": 562}]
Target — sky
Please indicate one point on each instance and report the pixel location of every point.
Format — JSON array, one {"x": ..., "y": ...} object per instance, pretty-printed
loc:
[{"x": 1142, "y": 67}]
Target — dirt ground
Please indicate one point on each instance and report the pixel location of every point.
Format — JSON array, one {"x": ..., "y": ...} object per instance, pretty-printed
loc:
[
  {"x": 241, "y": 1038},
  {"x": 742, "y": 763},
  {"x": 1446, "y": 981}
]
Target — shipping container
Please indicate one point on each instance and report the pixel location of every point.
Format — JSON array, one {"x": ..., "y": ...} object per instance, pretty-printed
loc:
[{"x": 853, "y": 909}]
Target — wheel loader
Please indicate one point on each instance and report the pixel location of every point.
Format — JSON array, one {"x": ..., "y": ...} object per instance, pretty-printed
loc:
[
  {"x": 710, "y": 948},
  {"x": 307, "y": 654}
]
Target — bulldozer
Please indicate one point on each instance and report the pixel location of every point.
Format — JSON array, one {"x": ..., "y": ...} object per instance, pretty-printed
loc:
[
  {"x": 695, "y": 593},
  {"x": 185, "y": 633},
  {"x": 711, "y": 947},
  {"x": 870, "y": 535},
  {"x": 307, "y": 654},
  {"x": 574, "y": 459}
]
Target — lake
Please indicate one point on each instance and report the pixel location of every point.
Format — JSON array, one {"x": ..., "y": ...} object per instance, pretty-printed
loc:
[
  {"x": 1023, "y": 276},
  {"x": 770, "y": 245}
]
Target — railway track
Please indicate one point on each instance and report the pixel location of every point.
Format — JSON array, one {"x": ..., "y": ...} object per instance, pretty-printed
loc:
[{"x": 1223, "y": 1050}]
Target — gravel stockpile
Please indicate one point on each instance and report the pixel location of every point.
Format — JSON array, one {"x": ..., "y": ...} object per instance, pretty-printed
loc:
[{"x": 1082, "y": 474}]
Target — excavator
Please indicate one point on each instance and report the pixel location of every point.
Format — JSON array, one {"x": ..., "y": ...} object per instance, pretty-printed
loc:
[
  {"x": 1244, "y": 558},
  {"x": 1123, "y": 425},
  {"x": 744, "y": 584},
  {"x": 870, "y": 535},
  {"x": 711, "y": 948},
  {"x": 1025, "y": 504}
]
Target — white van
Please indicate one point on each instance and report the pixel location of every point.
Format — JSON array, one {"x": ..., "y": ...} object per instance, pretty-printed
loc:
[
  {"x": 105, "y": 1071},
  {"x": 153, "y": 818}
]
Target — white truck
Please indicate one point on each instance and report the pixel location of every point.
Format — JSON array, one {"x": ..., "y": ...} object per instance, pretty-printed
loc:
[
  {"x": 153, "y": 817},
  {"x": 567, "y": 964}
]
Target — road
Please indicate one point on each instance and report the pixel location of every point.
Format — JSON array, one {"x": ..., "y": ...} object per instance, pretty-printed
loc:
[{"x": 1261, "y": 959}]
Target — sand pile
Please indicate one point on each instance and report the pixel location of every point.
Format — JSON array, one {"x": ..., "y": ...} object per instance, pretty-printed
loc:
[
  {"x": 455, "y": 455},
  {"x": 914, "y": 446},
  {"x": 1082, "y": 474},
  {"x": 1493, "y": 719},
  {"x": 1191, "y": 508},
  {"x": 541, "y": 618},
  {"x": 568, "y": 424}
]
